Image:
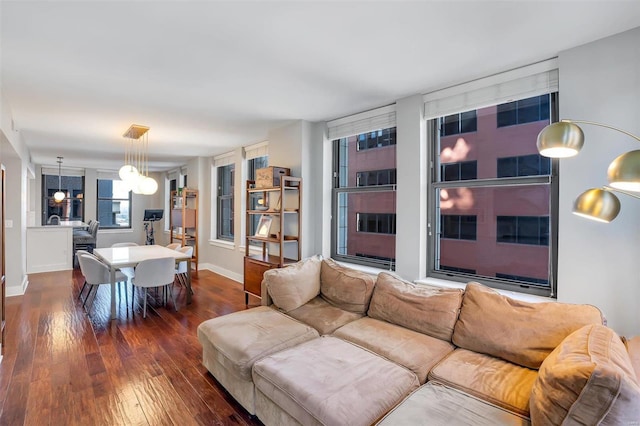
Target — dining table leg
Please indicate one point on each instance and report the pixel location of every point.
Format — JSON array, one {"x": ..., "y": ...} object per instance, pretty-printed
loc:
[{"x": 112, "y": 273}]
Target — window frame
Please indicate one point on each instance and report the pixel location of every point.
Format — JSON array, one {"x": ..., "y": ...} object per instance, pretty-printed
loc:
[
  {"x": 112, "y": 199},
  {"x": 251, "y": 170},
  {"x": 46, "y": 198},
  {"x": 337, "y": 191},
  {"x": 433, "y": 215},
  {"x": 220, "y": 198}
]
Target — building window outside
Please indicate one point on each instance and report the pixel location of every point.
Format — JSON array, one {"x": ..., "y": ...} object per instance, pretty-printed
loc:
[
  {"x": 523, "y": 230},
  {"x": 72, "y": 207},
  {"x": 524, "y": 165},
  {"x": 458, "y": 227},
  {"x": 463, "y": 170},
  {"x": 376, "y": 177},
  {"x": 376, "y": 139},
  {"x": 114, "y": 204},
  {"x": 225, "y": 202},
  {"x": 524, "y": 111},
  {"x": 252, "y": 165},
  {"x": 378, "y": 223},
  {"x": 494, "y": 201},
  {"x": 364, "y": 199},
  {"x": 455, "y": 124}
]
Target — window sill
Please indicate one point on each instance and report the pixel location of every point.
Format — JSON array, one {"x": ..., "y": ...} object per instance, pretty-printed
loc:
[
  {"x": 451, "y": 284},
  {"x": 223, "y": 244},
  {"x": 531, "y": 298},
  {"x": 252, "y": 249}
]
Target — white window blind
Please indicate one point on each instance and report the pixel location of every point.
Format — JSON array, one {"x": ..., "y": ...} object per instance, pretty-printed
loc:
[
  {"x": 533, "y": 80},
  {"x": 380, "y": 118},
  {"x": 223, "y": 159},
  {"x": 107, "y": 175},
  {"x": 63, "y": 171},
  {"x": 257, "y": 150}
]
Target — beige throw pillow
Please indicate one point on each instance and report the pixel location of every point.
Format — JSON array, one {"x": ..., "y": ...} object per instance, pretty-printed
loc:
[
  {"x": 425, "y": 309},
  {"x": 587, "y": 379},
  {"x": 346, "y": 288},
  {"x": 294, "y": 285},
  {"x": 521, "y": 332}
]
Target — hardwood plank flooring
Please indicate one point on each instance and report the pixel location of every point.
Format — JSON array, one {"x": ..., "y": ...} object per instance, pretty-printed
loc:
[{"x": 63, "y": 366}]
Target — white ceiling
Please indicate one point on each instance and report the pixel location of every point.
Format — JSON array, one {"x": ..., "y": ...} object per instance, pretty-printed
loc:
[{"x": 210, "y": 76}]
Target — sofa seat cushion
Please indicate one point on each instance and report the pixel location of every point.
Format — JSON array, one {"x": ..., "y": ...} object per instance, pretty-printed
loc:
[
  {"x": 332, "y": 382},
  {"x": 243, "y": 337},
  {"x": 346, "y": 288},
  {"x": 323, "y": 316},
  {"x": 587, "y": 379},
  {"x": 492, "y": 379},
  {"x": 294, "y": 285},
  {"x": 435, "y": 404},
  {"x": 488, "y": 319},
  {"x": 422, "y": 308},
  {"x": 415, "y": 351}
]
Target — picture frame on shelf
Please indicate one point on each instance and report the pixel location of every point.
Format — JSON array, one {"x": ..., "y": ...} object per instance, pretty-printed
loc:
[{"x": 264, "y": 224}]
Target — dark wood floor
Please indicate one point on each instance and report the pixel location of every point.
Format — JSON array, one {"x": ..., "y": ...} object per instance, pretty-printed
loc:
[{"x": 64, "y": 367}]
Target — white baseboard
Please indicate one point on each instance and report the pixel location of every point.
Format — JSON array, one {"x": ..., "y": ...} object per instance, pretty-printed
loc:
[
  {"x": 18, "y": 290},
  {"x": 222, "y": 271}
]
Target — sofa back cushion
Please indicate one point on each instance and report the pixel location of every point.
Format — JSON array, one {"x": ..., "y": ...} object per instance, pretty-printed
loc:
[
  {"x": 425, "y": 309},
  {"x": 587, "y": 379},
  {"x": 345, "y": 288},
  {"x": 294, "y": 285},
  {"x": 521, "y": 332}
]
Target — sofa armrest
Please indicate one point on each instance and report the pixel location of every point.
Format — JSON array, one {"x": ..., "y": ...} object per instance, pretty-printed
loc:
[
  {"x": 633, "y": 346},
  {"x": 264, "y": 294}
]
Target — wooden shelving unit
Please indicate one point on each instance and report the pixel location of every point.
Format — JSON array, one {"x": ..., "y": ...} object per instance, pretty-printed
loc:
[
  {"x": 283, "y": 204},
  {"x": 183, "y": 220}
]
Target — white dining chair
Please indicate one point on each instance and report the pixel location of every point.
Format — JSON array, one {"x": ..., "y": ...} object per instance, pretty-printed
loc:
[
  {"x": 154, "y": 273},
  {"x": 95, "y": 274},
  {"x": 174, "y": 246},
  {"x": 181, "y": 270},
  {"x": 84, "y": 285}
]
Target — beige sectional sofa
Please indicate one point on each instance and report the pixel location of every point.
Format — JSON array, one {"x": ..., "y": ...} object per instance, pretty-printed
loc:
[{"x": 335, "y": 346}]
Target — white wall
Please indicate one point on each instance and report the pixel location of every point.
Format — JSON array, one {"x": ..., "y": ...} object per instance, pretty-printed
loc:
[
  {"x": 598, "y": 263},
  {"x": 15, "y": 157}
]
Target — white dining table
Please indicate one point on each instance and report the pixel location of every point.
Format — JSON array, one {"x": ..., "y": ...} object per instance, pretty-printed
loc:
[{"x": 122, "y": 257}]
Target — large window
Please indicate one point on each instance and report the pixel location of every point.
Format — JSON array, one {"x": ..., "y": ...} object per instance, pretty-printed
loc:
[
  {"x": 114, "y": 204},
  {"x": 364, "y": 199},
  {"x": 225, "y": 202},
  {"x": 72, "y": 207},
  {"x": 254, "y": 164},
  {"x": 493, "y": 215}
]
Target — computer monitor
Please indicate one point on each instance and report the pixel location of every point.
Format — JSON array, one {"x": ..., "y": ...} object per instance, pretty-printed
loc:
[{"x": 151, "y": 215}]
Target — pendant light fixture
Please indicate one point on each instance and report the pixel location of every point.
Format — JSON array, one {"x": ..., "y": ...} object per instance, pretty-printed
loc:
[
  {"x": 59, "y": 195},
  {"x": 135, "y": 171}
]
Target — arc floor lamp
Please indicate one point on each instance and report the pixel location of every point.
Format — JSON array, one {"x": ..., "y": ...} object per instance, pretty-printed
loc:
[{"x": 565, "y": 139}]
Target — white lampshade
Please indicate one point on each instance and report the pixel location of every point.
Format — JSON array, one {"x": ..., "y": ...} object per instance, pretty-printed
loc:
[
  {"x": 148, "y": 185},
  {"x": 128, "y": 173},
  {"x": 58, "y": 196}
]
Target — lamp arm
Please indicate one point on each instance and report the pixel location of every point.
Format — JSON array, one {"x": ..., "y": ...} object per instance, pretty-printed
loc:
[
  {"x": 603, "y": 125},
  {"x": 630, "y": 194}
]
